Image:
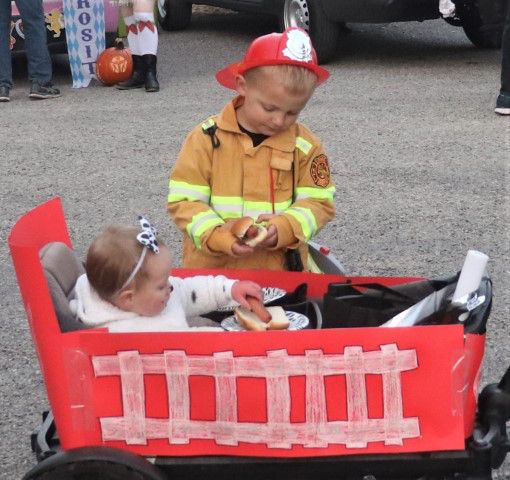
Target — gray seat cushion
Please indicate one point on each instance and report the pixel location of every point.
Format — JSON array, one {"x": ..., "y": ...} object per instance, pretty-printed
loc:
[{"x": 62, "y": 268}]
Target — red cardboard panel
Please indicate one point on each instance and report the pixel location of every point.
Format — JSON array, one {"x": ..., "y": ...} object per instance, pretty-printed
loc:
[{"x": 285, "y": 394}]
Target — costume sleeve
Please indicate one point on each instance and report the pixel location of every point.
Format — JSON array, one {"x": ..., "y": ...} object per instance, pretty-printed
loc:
[
  {"x": 189, "y": 194},
  {"x": 313, "y": 206},
  {"x": 202, "y": 293}
]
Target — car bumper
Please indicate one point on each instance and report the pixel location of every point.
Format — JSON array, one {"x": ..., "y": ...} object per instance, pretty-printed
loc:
[{"x": 378, "y": 11}]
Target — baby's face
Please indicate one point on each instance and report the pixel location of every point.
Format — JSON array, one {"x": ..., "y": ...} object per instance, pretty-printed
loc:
[
  {"x": 269, "y": 108},
  {"x": 152, "y": 294}
]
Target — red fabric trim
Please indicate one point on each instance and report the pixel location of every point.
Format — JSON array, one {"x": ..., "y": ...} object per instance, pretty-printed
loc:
[
  {"x": 132, "y": 28},
  {"x": 271, "y": 187},
  {"x": 148, "y": 24}
]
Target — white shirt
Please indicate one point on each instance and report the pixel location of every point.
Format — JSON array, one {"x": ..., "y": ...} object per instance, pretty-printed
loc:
[{"x": 190, "y": 297}]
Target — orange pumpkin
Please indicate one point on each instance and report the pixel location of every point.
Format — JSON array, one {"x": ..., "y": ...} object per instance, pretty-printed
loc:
[{"x": 114, "y": 64}]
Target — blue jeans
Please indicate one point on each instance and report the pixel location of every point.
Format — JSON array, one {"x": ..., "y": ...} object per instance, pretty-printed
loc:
[
  {"x": 34, "y": 27},
  {"x": 505, "y": 55}
]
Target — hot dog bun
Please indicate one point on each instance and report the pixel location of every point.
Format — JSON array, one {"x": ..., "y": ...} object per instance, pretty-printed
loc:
[
  {"x": 240, "y": 230},
  {"x": 279, "y": 320},
  {"x": 249, "y": 320}
]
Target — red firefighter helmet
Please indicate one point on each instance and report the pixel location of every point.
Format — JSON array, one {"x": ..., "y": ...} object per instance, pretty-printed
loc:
[{"x": 292, "y": 47}]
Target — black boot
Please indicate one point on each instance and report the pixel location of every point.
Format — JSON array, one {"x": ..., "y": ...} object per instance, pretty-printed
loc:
[
  {"x": 137, "y": 79},
  {"x": 151, "y": 80}
]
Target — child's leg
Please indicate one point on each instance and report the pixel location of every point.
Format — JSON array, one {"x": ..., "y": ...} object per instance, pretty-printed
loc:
[
  {"x": 137, "y": 79},
  {"x": 132, "y": 31},
  {"x": 147, "y": 41}
]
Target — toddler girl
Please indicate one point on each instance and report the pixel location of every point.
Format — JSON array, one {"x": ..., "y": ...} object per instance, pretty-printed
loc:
[{"x": 127, "y": 287}]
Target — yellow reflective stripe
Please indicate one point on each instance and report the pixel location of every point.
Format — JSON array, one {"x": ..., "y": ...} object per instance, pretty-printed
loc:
[
  {"x": 304, "y": 145},
  {"x": 306, "y": 219},
  {"x": 208, "y": 124},
  {"x": 254, "y": 209},
  {"x": 315, "y": 192},
  {"x": 178, "y": 191},
  {"x": 312, "y": 265},
  {"x": 235, "y": 207},
  {"x": 227, "y": 207},
  {"x": 200, "y": 223}
]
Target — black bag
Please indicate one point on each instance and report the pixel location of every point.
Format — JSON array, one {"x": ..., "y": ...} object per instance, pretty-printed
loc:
[{"x": 372, "y": 304}]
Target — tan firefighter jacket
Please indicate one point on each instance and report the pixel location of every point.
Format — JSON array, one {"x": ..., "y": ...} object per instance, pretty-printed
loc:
[{"x": 220, "y": 175}]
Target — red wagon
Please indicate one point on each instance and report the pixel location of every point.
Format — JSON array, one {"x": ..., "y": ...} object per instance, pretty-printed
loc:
[{"x": 356, "y": 403}]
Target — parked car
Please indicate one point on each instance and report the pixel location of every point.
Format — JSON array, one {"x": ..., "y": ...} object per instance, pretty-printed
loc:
[
  {"x": 54, "y": 18},
  {"x": 323, "y": 19}
]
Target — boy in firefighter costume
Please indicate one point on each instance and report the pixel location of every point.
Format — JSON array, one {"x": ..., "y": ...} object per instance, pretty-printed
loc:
[
  {"x": 254, "y": 160},
  {"x": 143, "y": 42}
]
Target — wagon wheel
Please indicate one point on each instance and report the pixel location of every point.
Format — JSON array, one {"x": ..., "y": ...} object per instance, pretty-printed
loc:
[
  {"x": 94, "y": 463},
  {"x": 309, "y": 15},
  {"x": 174, "y": 14}
]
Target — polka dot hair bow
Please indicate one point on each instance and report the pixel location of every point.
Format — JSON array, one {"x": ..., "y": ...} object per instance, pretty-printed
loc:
[{"x": 147, "y": 236}]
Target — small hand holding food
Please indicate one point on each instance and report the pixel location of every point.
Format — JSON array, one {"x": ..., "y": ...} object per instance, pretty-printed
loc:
[
  {"x": 243, "y": 290},
  {"x": 272, "y": 238},
  {"x": 253, "y": 315},
  {"x": 252, "y": 234},
  {"x": 240, "y": 249},
  {"x": 251, "y": 321},
  {"x": 272, "y": 233},
  {"x": 249, "y": 232}
]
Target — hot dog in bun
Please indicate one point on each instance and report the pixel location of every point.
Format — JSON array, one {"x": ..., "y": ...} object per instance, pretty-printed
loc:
[
  {"x": 251, "y": 321},
  {"x": 249, "y": 232}
]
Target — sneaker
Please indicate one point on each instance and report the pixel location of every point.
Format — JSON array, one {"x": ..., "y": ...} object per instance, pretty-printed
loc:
[
  {"x": 39, "y": 91},
  {"x": 503, "y": 104},
  {"x": 5, "y": 93}
]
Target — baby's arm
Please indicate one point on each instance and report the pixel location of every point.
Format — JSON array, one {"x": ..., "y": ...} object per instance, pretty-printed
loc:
[
  {"x": 202, "y": 294},
  {"x": 189, "y": 194}
]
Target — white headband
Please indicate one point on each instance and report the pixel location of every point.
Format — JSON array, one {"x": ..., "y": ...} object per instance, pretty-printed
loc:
[{"x": 147, "y": 237}]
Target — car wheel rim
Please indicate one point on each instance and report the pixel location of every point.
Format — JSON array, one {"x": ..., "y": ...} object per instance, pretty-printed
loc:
[
  {"x": 162, "y": 8},
  {"x": 296, "y": 14}
]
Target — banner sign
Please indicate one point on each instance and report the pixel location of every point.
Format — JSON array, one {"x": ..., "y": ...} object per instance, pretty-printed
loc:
[{"x": 85, "y": 33}]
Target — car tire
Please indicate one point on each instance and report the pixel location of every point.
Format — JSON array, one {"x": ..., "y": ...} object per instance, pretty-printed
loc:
[
  {"x": 309, "y": 15},
  {"x": 95, "y": 462},
  {"x": 475, "y": 30},
  {"x": 174, "y": 14}
]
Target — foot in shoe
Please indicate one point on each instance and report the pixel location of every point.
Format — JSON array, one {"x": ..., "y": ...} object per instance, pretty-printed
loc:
[
  {"x": 503, "y": 104},
  {"x": 40, "y": 91},
  {"x": 5, "y": 94},
  {"x": 502, "y": 110}
]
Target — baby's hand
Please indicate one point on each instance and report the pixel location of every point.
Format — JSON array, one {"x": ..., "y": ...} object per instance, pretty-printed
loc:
[{"x": 245, "y": 288}]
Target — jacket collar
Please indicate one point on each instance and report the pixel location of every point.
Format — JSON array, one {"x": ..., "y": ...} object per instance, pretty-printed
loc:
[{"x": 227, "y": 120}]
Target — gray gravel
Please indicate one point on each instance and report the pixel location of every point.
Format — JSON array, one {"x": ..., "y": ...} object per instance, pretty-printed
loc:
[{"x": 420, "y": 160}]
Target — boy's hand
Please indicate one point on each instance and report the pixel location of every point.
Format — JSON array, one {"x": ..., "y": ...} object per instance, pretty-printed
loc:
[
  {"x": 272, "y": 238},
  {"x": 240, "y": 249},
  {"x": 245, "y": 288},
  {"x": 272, "y": 233}
]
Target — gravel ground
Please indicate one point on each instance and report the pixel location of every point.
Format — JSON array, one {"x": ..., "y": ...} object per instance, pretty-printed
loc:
[{"x": 420, "y": 160}]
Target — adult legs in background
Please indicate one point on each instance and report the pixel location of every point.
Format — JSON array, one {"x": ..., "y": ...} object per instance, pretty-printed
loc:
[
  {"x": 5, "y": 52},
  {"x": 503, "y": 101}
]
